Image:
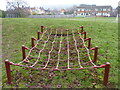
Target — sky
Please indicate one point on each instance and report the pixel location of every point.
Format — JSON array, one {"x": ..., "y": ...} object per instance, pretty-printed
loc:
[{"x": 57, "y": 4}]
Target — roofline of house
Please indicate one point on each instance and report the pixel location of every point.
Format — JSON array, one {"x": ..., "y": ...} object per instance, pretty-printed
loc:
[{"x": 108, "y": 6}]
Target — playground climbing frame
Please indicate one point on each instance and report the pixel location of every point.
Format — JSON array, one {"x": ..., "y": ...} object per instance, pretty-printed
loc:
[{"x": 56, "y": 50}]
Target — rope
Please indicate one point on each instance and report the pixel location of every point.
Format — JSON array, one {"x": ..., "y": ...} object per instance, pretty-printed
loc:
[
  {"x": 51, "y": 50},
  {"x": 33, "y": 48},
  {"x": 59, "y": 51},
  {"x": 77, "y": 49},
  {"x": 68, "y": 51},
  {"x": 86, "y": 48},
  {"x": 101, "y": 66},
  {"x": 42, "y": 49}
]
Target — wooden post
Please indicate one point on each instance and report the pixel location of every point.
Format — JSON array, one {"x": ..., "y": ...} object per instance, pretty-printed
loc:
[
  {"x": 106, "y": 73},
  {"x": 23, "y": 52},
  {"x": 84, "y": 35},
  {"x": 32, "y": 41},
  {"x": 38, "y": 35},
  {"x": 42, "y": 27},
  {"x": 95, "y": 54},
  {"x": 8, "y": 71},
  {"x": 89, "y": 43},
  {"x": 81, "y": 29}
]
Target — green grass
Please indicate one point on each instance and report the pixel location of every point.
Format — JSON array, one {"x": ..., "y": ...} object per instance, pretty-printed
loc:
[{"x": 103, "y": 31}]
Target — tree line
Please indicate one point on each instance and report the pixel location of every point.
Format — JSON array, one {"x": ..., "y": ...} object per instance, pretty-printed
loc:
[{"x": 16, "y": 8}]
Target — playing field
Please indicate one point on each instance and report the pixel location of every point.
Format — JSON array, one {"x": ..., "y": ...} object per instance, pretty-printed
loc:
[{"x": 18, "y": 31}]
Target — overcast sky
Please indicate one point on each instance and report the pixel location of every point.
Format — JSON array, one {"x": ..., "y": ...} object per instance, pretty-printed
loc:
[{"x": 63, "y": 3}]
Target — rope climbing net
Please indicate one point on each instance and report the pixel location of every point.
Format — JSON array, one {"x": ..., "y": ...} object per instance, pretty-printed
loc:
[{"x": 59, "y": 49}]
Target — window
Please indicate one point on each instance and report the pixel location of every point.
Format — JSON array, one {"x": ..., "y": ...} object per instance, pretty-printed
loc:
[
  {"x": 109, "y": 9},
  {"x": 81, "y": 13},
  {"x": 96, "y": 9},
  {"x": 105, "y": 14},
  {"x": 82, "y": 9},
  {"x": 86, "y": 9},
  {"x": 100, "y": 9},
  {"x": 78, "y": 9},
  {"x": 98, "y": 14},
  {"x": 104, "y": 9}
]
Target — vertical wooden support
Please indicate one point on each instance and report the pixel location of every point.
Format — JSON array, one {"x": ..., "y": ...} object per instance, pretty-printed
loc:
[
  {"x": 106, "y": 73},
  {"x": 84, "y": 35},
  {"x": 89, "y": 43},
  {"x": 38, "y": 35},
  {"x": 95, "y": 54},
  {"x": 23, "y": 52},
  {"x": 8, "y": 71},
  {"x": 81, "y": 29},
  {"x": 32, "y": 41},
  {"x": 42, "y": 27}
]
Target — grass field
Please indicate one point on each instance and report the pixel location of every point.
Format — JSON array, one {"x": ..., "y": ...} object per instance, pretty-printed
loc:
[{"x": 103, "y": 31}]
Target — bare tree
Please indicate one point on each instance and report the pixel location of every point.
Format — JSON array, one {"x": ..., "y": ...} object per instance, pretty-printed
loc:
[{"x": 18, "y": 7}]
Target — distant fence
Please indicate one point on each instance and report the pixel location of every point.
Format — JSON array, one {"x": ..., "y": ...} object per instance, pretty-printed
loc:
[
  {"x": 12, "y": 16},
  {"x": 51, "y": 16}
]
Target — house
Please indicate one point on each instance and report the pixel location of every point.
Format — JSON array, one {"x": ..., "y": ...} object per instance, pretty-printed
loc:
[
  {"x": 37, "y": 10},
  {"x": 55, "y": 12},
  {"x": 40, "y": 11},
  {"x": 62, "y": 11},
  {"x": 48, "y": 12},
  {"x": 93, "y": 10},
  {"x": 33, "y": 11}
]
